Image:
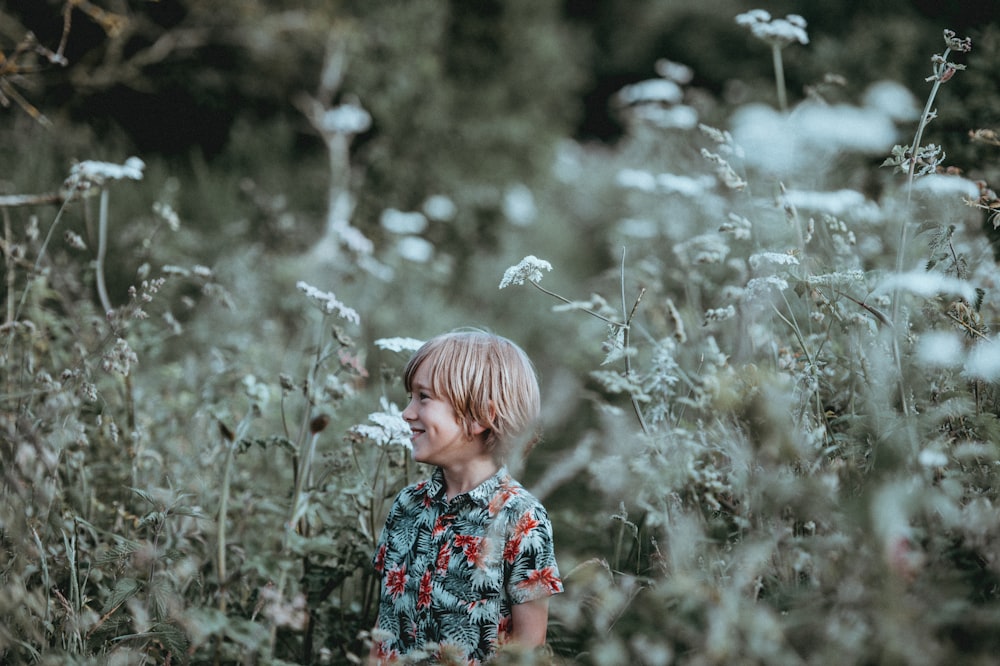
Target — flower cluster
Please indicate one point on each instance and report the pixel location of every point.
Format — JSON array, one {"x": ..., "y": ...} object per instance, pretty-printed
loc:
[
  {"x": 530, "y": 268},
  {"x": 389, "y": 427},
  {"x": 399, "y": 344},
  {"x": 328, "y": 302},
  {"x": 91, "y": 173},
  {"x": 777, "y": 32}
]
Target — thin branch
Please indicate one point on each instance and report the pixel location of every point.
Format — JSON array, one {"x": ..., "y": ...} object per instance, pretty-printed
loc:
[
  {"x": 569, "y": 302},
  {"x": 625, "y": 342}
]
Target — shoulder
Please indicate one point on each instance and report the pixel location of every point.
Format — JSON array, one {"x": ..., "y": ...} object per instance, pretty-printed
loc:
[
  {"x": 416, "y": 495},
  {"x": 513, "y": 499}
]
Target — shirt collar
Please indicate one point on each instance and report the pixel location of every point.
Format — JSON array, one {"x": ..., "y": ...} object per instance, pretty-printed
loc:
[{"x": 481, "y": 494}]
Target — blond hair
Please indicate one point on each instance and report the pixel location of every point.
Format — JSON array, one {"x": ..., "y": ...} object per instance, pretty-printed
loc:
[{"x": 488, "y": 380}]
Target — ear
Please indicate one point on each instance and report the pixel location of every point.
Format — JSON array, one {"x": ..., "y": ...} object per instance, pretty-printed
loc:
[{"x": 476, "y": 428}]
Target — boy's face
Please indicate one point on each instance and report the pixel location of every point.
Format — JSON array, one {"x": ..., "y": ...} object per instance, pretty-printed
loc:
[{"x": 436, "y": 433}]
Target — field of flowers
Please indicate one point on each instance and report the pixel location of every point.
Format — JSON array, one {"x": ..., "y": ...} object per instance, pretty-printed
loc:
[{"x": 766, "y": 341}]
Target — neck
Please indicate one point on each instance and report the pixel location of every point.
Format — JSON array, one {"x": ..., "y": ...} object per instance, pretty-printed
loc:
[{"x": 463, "y": 478}]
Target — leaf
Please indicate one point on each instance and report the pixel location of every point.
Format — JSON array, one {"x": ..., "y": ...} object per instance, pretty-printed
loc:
[
  {"x": 119, "y": 551},
  {"x": 142, "y": 494},
  {"x": 124, "y": 589}
]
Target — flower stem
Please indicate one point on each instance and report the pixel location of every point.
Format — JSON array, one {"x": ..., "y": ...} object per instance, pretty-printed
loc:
[
  {"x": 779, "y": 76},
  {"x": 569, "y": 302}
]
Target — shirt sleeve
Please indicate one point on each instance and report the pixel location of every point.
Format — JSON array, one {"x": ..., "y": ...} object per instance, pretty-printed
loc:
[
  {"x": 530, "y": 554},
  {"x": 378, "y": 557}
]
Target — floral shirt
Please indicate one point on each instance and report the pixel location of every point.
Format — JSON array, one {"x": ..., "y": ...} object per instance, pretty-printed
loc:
[{"x": 451, "y": 571}]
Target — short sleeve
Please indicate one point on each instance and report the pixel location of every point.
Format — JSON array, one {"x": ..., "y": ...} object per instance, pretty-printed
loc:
[
  {"x": 530, "y": 554},
  {"x": 382, "y": 545}
]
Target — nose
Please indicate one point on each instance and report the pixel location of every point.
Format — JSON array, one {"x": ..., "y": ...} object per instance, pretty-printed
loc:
[{"x": 409, "y": 414}]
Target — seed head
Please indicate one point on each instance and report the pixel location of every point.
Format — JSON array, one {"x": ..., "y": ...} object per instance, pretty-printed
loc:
[{"x": 318, "y": 424}]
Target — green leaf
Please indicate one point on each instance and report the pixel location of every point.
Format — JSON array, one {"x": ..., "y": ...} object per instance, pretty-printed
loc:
[
  {"x": 145, "y": 496},
  {"x": 124, "y": 589}
]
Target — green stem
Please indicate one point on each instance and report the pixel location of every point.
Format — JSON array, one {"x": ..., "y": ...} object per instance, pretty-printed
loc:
[
  {"x": 627, "y": 315},
  {"x": 34, "y": 270},
  {"x": 569, "y": 302},
  {"x": 102, "y": 249},
  {"x": 924, "y": 120},
  {"x": 223, "y": 510},
  {"x": 779, "y": 76}
]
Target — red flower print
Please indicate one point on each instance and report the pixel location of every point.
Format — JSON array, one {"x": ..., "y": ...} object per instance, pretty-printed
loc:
[
  {"x": 385, "y": 655},
  {"x": 395, "y": 581},
  {"x": 542, "y": 580},
  {"x": 441, "y": 524},
  {"x": 512, "y": 549},
  {"x": 380, "y": 558},
  {"x": 443, "y": 558},
  {"x": 500, "y": 499},
  {"x": 424, "y": 593},
  {"x": 470, "y": 546},
  {"x": 505, "y": 627},
  {"x": 525, "y": 524}
]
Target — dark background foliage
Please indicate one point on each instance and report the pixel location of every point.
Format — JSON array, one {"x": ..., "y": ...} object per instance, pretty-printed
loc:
[{"x": 468, "y": 99}]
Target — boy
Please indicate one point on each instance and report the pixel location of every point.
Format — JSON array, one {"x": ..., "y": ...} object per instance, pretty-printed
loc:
[{"x": 465, "y": 557}]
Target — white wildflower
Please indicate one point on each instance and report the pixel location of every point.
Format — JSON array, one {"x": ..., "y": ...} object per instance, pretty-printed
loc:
[
  {"x": 439, "y": 207},
  {"x": 165, "y": 212},
  {"x": 638, "y": 228},
  {"x": 833, "y": 203},
  {"x": 759, "y": 286},
  {"x": 416, "y": 249},
  {"x": 674, "y": 71},
  {"x": 933, "y": 458},
  {"x": 91, "y": 172},
  {"x": 779, "y": 32},
  {"x": 682, "y": 116},
  {"x": 400, "y": 222},
  {"x": 893, "y": 99},
  {"x": 120, "y": 358},
  {"x": 650, "y": 91},
  {"x": 838, "y": 279},
  {"x": 519, "y": 205},
  {"x": 530, "y": 268},
  {"x": 753, "y": 17},
  {"x": 74, "y": 240},
  {"x": 399, "y": 344},
  {"x": 811, "y": 137},
  {"x": 928, "y": 284},
  {"x": 203, "y": 272},
  {"x": 346, "y": 119},
  {"x": 637, "y": 179},
  {"x": 939, "y": 349},
  {"x": 389, "y": 428},
  {"x": 328, "y": 302},
  {"x": 778, "y": 258},
  {"x": 256, "y": 391},
  {"x": 89, "y": 392},
  {"x": 737, "y": 225},
  {"x": 704, "y": 249},
  {"x": 944, "y": 185},
  {"x": 688, "y": 186},
  {"x": 178, "y": 271},
  {"x": 720, "y": 314},
  {"x": 353, "y": 238},
  {"x": 983, "y": 362}
]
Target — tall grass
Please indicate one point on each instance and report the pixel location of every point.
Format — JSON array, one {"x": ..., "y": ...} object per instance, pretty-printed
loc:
[{"x": 773, "y": 469}]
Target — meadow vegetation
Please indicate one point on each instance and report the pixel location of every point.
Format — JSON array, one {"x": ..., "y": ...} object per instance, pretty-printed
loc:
[{"x": 764, "y": 324}]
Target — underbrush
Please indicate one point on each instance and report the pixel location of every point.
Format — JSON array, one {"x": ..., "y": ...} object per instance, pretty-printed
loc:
[{"x": 789, "y": 439}]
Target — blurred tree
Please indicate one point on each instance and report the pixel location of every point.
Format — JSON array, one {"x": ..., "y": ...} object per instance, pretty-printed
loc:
[{"x": 467, "y": 91}]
